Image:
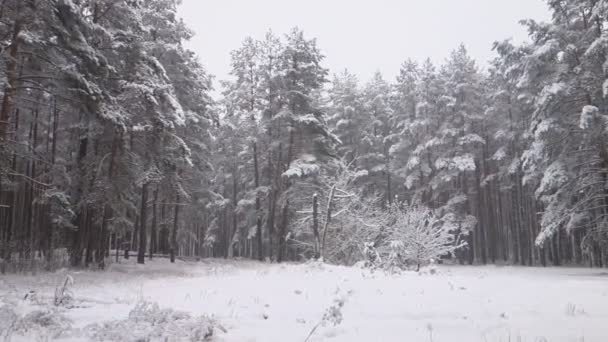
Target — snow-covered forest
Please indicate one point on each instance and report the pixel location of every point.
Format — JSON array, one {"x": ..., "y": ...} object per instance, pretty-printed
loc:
[
  {"x": 111, "y": 141},
  {"x": 116, "y": 143}
]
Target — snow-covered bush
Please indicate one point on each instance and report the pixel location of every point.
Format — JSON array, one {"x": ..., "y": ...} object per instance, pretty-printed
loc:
[
  {"x": 333, "y": 314},
  {"x": 47, "y": 322},
  {"x": 33, "y": 298},
  {"x": 8, "y": 319},
  {"x": 416, "y": 234},
  {"x": 148, "y": 322},
  {"x": 351, "y": 226},
  {"x": 345, "y": 217},
  {"x": 372, "y": 257}
]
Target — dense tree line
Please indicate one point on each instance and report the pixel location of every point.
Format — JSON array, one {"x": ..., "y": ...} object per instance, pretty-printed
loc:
[
  {"x": 104, "y": 130},
  {"x": 110, "y": 141}
]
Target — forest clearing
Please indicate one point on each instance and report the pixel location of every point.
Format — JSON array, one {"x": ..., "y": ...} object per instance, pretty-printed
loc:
[
  {"x": 251, "y": 301},
  {"x": 283, "y": 170}
]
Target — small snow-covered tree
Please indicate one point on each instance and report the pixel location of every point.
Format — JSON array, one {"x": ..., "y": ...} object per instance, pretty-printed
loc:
[
  {"x": 344, "y": 219},
  {"x": 417, "y": 234}
]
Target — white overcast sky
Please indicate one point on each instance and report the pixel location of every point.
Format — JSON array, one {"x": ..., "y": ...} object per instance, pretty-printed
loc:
[{"x": 361, "y": 35}]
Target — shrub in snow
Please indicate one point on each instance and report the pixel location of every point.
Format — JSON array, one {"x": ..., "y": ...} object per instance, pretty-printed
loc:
[
  {"x": 148, "y": 322},
  {"x": 334, "y": 215},
  {"x": 333, "y": 314},
  {"x": 46, "y": 322},
  {"x": 395, "y": 260},
  {"x": 314, "y": 265},
  {"x": 430, "y": 269},
  {"x": 415, "y": 235},
  {"x": 8, "y": 319},
  {"x": 33, "y": 298},
  {"x": 372, "y": 257}
]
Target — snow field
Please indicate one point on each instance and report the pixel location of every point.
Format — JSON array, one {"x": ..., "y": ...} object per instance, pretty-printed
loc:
[{"x": 270, "y": 302}]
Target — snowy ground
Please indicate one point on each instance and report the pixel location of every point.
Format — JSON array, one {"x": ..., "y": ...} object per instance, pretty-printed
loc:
[{"x": 270, "y": 302}]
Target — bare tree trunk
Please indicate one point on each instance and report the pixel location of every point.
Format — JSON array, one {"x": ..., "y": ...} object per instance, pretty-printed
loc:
[
  {"x": 127, "y": 241},
  {"x": 173, "y": 249},
  {"x": 274, "y": 192},
  {"x": 141, "y": 254},
  {"x": 10, "y": 90},
  {"x": 555, "y": 249},
  {"x": 270, "y": 221},
  {"x": 108, "y": 211},
  {"x": 234, "y": 232},
  {"x": 327, "y": 219},
  {"x": 88, "y": 237},
  {"x": 315, "y": 225},
  {"x": 153, "y": 228},
  {"x": 258, "y": 214},
  {"x": 389, "y": 194},
  {"x": 282, "y": 232},
  {"x": 31, "y": 198},
  {"x": 482, "y": 222}
]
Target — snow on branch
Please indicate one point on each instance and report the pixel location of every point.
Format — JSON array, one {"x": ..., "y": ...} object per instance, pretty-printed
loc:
[{"x": 302, "y": 167}]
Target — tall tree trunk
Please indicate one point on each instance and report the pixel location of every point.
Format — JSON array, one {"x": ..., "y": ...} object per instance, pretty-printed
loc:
[
  {"x": 258, "y": 214},
  {"x": 30, "y": 254},
  {"x": 173, "y": 249},
  {"x": 107, "y": 211},
  {"x": 270, "y": 221},
  {"x": 271, "y": 205},
  {"x": 234, "y": 232},
  {"x": 282, "y": 232},
  {"x": 143, "y": 215},
  {"x": 330, "y": 201},
  {"x": 10, "y": 89},
  {"x": 78, "y": 234},
  {"x": 482, "y": 223},
  {"x": 555, "y": 249},
  {"x": 315, "y": 225},
  {"x": 91, "y": 237},
  {"x": 153, "y": 228}
]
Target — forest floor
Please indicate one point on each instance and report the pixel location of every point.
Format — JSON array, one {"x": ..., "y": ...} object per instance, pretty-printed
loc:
[{"x": 249, "y": 301}]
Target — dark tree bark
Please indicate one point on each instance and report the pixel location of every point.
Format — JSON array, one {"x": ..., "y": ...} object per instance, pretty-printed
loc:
[
  {"x": 153, "y": 228},
  {"x": 10, "y": 90},
  {"x": 315, "y": 225},
  {"x": 272, "y": 202},
  {"x": 143, "y": 215},
  {"x": 283, "y": 231},
  {"x": 173, "y": 249},
  {"x": 330, "y": 201},
  {"x": 258, "y": 214}
]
